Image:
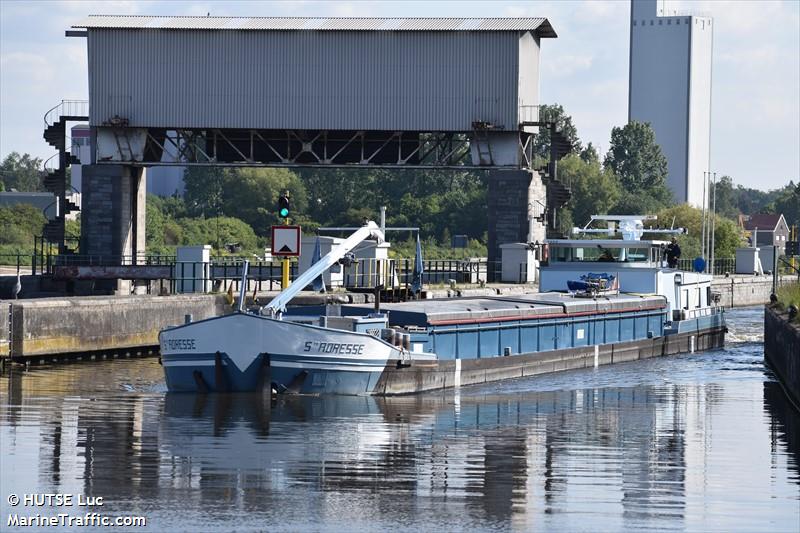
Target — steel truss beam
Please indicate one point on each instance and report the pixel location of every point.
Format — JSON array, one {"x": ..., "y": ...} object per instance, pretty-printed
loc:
[{"x": 239, "y": 147}]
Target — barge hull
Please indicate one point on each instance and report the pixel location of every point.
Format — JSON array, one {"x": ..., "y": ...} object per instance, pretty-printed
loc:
[{"x": 438, "y": 375}]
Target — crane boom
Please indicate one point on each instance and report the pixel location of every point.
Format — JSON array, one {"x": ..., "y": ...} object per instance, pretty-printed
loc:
[{"x": 278, "y": 304}]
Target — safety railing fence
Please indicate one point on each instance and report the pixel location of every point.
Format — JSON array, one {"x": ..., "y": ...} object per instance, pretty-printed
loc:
[
  {"x": 368, "y": 273},
  {"x": 66, "y": 108},
  {"x": 22, "y": 262},
  {"x": 722, "y": 265}
]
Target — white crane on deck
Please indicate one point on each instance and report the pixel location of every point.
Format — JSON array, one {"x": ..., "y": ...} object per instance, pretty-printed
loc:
[{"x": 278, "y": 304}]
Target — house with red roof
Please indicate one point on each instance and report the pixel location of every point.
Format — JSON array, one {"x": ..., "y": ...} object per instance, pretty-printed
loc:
[{"x": 772, "y": 230}]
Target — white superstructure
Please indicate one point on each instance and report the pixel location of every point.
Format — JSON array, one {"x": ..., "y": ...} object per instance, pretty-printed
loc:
[{"x": 670, "y": 87}]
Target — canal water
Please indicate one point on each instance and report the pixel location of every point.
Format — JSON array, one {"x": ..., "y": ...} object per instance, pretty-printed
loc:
[{"x": 702, "y": 442}]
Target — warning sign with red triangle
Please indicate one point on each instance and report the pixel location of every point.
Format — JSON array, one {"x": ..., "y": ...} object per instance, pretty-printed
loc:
[{"x": 286, "y": 241}]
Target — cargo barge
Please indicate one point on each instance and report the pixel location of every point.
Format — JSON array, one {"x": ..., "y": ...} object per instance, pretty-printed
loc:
[{"x": 602, "y": 302}]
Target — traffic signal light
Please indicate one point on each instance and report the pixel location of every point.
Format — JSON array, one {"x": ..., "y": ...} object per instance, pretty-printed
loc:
[
  {"x": 283, "y": 205},
  {"x": 792, "y": 248}
]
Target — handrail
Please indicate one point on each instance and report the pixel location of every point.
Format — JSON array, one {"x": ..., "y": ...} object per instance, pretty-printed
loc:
[
  {"x": 66, "y": 108},
  {"x": 47, "y": 166}
]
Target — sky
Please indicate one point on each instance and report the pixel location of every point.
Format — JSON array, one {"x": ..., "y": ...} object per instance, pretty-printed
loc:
[{"x": 755, "y": 131}]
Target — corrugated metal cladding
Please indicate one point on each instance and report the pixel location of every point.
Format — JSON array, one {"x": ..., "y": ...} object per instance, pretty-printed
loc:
[{"x": 413, "y": 81}]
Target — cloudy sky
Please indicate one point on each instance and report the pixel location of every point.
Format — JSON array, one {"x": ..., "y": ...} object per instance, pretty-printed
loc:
[{"x": 756, "y": 85}]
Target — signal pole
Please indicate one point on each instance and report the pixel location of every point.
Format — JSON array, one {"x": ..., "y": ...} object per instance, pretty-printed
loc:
[
  {"x": 285, "y": 268},
  {"x": 284, "y": 207}
]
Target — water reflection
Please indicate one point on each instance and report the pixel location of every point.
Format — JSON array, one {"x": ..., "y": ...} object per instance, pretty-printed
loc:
[
  {"x": 785, "y": 424},
  {"x": 714, "y": 446}
]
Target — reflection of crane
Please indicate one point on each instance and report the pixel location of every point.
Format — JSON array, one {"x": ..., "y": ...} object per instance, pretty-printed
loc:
[{"x": 17, "y": 286}]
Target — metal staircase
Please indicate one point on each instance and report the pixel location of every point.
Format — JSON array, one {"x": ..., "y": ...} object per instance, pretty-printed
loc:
[
  {"x": 558, "y": 192},
  {"x": 55, "y": 180}
]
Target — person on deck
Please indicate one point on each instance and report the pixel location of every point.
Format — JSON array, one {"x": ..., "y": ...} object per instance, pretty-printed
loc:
[
  {"x": 673, "y": 253},
  {"x": 606, "y": 256}
]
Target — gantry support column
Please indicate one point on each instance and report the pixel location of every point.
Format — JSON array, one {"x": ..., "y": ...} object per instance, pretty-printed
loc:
[
  {"x": 516, "y": 198},
  {"x": 113, "y": 216}
]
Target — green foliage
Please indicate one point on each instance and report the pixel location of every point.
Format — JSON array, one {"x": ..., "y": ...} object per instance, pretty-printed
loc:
[
  {"x": 21, "y": 172},
  {"x": 789, "y": 294},
  {"x": 154, "y": 221},
  {"x": 433, "y": 249},
  {"x": 555, "y": 113},
  {"x": 637, "y": 160},
  {"x": 726, "y": 198},
  {"x": 20, "y": 223},
  {"x": 595, "y": 190},
  {"x": 433, "y": 200},
  {"x": 203, "y": 191},
  {"x": 727, "y": 234},
  {"x": 787, "y": 203},
  {"x": 171, "y": 207},
  {"x": 590, "y": 154},
  {"x": 72, "y": 231},
  {"x": 217, "y": 231},
  {"x": 250, "y": 194}
]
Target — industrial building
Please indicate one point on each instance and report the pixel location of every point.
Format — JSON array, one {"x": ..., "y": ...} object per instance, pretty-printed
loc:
[
  {"x": 290, "y": 92},
  {"x": 670, "y": 87}
]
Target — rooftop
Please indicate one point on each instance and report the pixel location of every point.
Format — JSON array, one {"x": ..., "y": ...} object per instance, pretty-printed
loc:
[
  {"x": 538, "y": 25},
  {"x": 766, "y": 222}
]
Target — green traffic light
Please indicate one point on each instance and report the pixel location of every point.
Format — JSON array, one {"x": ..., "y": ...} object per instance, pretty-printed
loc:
[{"x": 284, "y": 212}]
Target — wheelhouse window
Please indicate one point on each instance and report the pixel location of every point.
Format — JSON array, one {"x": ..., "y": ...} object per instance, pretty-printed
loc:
[{"x": 599, "y": 253}]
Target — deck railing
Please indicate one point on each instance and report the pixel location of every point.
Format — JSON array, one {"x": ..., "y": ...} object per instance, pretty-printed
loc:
[{"x": 66, "y": 108}]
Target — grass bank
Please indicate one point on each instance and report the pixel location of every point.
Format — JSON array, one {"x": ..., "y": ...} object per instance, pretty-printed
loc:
[{"x": 789, "y": 294}]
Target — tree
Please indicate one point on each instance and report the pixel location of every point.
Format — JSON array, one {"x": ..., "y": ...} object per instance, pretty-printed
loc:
[
  {"x": 595, "y": 190},
  {"x": 555, "y": 113},
  {"x": 637, "y": 160},
  {"x": 726, "y": 198},
  {"x": 787, "y": 203},
  {"x": 203, "y": 191},
  {"x": 154, "y": 222},
  {"x": 20, "y": 223},
  {"x": 196, "y": 231},
  {"x": 727, "y": 234},
  {"x": 590, "y": 154},
  {"x": 21, "y": 172},
  {"x": 251, "y": 194}
]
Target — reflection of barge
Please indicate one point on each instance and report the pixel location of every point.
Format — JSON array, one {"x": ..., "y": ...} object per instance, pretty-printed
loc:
[{"x": 434, "y": 344}]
